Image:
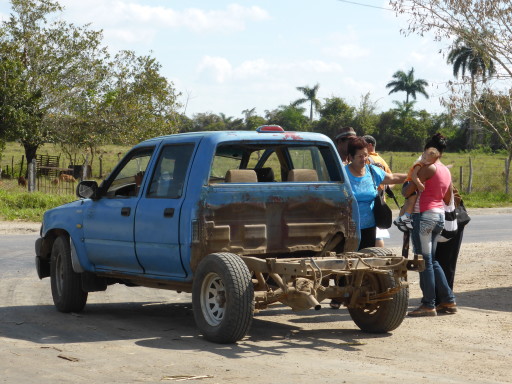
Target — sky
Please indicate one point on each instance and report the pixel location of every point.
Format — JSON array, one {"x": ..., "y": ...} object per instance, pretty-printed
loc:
[{"x": 231, "y": 56}]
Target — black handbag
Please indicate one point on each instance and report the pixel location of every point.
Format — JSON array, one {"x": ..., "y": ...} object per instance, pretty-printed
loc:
[
  {"x": 462, "y": 215},
  {"x": 381, "y": 211}
]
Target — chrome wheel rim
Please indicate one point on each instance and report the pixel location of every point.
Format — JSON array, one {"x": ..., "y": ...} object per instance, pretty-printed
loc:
[{"x": 213, "y": 299}]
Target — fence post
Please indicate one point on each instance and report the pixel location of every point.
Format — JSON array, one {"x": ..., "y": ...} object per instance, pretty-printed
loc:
[
  {"x": 470, "y": 179},
  {"x": 391, "y": 163},
  {"x": 32, "y": 169},
  {"x": 461, "y": 178},
  {"x": 22, "y": 164},
  {"x": 85, "y": 168},
  {"x": 507, "y": 174}
]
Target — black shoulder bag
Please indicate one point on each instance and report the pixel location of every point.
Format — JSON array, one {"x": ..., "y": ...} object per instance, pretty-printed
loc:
[{"x": 381, "y": 211}]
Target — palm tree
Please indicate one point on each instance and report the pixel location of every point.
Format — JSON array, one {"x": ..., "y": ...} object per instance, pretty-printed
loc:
[
  {"x": 249, "y": 112},
  {"x": 405, "y": 109},
  {"x": 405, "y": 82},
  {"x": 310, "y": 96},
  {"x": 465, "y": 56}
]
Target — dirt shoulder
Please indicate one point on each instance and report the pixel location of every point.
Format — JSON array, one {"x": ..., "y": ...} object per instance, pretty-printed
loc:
[{"x": 18, "y": 227}]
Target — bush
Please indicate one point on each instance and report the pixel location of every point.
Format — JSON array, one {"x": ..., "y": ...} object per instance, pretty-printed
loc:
[{"x": 28, "y": 206}]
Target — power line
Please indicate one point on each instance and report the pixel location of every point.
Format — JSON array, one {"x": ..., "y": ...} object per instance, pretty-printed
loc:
[{"x": 365, "y": 5}]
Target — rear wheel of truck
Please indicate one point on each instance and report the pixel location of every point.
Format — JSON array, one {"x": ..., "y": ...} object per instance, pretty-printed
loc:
[
  {"x": 223, "y": 298},
  {"x": 67, "y": 292},
  {"x": 383, "y": 316}
]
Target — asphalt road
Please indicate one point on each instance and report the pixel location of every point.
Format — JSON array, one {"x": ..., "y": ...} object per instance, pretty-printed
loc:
[
  {"x": 481, "y": 229},
  {"x": 18, "y": 250}
]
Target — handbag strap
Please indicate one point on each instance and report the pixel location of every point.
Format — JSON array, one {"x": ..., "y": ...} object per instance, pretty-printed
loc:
[
  {"x": 391, "y": 194},
  {"x": 388, "y": 190},
  {"x": 373, "y": 179}
]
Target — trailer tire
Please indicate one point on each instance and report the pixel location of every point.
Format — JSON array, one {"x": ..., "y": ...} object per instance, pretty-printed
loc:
[
  {"x": 383, "y": 316},
  {"x": 223, "y": 298},
  {"x": 66, "y": 284}
]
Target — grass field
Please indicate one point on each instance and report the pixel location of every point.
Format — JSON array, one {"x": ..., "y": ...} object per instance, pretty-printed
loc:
[{"x": 488, "y": 184}]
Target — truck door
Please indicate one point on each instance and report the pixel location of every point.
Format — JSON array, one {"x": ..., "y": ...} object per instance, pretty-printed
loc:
[
  {"x": 157, "y": 218},
  {"x": 109, "y": 221}
]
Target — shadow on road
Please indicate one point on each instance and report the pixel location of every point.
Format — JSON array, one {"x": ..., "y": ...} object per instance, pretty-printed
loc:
[
  {"x": 172, "y": 327},
  {"x": 492, "y": 299}
]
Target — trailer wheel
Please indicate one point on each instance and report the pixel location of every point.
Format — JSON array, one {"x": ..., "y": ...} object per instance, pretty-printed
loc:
[
  {"x": 223, "y": 298},
  {"x": 67, "y": 292},
  {"x": 383, "y": 316}
]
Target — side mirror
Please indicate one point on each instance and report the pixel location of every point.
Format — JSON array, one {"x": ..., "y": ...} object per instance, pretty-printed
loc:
[{"x": 87, "y": 189}]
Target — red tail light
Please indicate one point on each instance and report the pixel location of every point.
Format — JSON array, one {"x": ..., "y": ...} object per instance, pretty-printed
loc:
[{"x": 269, "y": 128}]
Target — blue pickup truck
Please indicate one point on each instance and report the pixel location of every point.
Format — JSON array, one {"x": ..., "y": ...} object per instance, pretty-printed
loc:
[{"x": 242, "y": 220}]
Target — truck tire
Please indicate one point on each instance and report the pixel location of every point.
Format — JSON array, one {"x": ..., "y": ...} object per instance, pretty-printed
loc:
[
  {"x": 223, "y": 298},
  {"x": 67, "y": 292},
  {"x": 383, "y": 316}
]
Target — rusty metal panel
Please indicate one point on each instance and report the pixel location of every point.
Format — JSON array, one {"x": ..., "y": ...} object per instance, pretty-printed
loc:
[{"x": 272, "y": 219}]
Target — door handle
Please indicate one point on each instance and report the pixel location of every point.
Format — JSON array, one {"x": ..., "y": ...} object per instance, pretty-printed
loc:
[
  {"x": 125, "y": 211},
  {"x": 168, "y": 212}
]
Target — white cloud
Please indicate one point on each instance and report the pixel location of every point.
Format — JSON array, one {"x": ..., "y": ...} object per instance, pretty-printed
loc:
[
  {"x": 108, "y": 13},
  {"x": 134, "y": 35},
  {"x": 219, "y": 67},
  {"x": 221, "y": 70},
  {"x": 345, "y": 45},
  {"x": 347, "y": 51}
]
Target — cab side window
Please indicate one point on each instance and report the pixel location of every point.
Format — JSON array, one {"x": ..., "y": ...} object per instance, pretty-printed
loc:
[
  {"x": 170, "y": 171},
  {"x": 127, "y": 180},
  {"x": 309, "y": 158}
]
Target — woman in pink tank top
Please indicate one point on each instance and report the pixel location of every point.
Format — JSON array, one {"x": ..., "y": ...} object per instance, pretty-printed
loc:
[{"x": 427, "y": 225}]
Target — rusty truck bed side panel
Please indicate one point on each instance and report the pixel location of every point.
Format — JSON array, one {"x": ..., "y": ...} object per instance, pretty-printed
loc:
[{"x": 264, "y": 221}]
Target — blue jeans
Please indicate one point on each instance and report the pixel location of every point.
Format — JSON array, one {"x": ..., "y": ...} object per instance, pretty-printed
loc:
[{"x": 426, "y": 229}]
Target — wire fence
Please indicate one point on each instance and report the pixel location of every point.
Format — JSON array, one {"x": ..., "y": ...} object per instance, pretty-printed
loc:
[
  {"x": 475, "y": 173},
  {"x": 480, "y": 173},
  {"x": 47, "y": 175}
]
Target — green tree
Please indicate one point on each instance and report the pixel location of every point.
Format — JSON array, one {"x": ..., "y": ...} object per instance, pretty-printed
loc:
[
  {"x": 463, "y": 56},
  {"x": 252, "y": 121},
  {"x": 405, "y": 109},
  {"x": 18, "y": 106},
  {"x": 334, "y": 114},
  {"x": 139, "y": 103},
  {"x": 405, "y": 82},
  {"x": 206, "y": 121},
  {"x": 72, "y": 93},
  {"x": 58, "y": 60},
  {"x": 309, "y": 97},
  {"x": 290, "y": 117},
  {"x": 232, "y": 124},
  {"x": 399, "y": 131},
  {"x": 365, "y": 120},
  {"x": 494, "y": 110}
]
